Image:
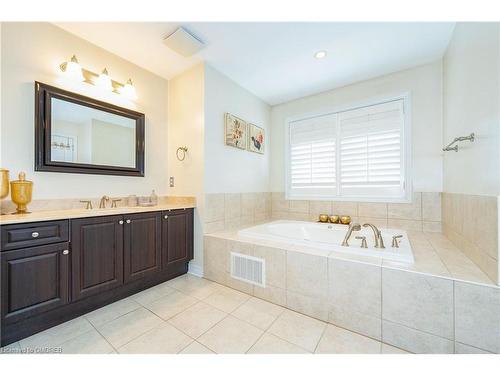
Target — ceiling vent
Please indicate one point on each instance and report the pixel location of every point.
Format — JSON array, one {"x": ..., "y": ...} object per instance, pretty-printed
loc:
[{"x": 183, "y": 42}]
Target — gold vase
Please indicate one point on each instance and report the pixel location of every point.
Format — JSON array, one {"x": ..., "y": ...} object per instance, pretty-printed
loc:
[
  {"x": 21, "y": 191},
  {"x": 345, "y": 219},
  {"x": 334, "y": 219},
  {"x": 323, "y": 218},
  {"x": 4, "y": 187}
]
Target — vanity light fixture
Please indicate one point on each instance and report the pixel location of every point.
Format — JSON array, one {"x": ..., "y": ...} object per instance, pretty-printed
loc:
[
  {"x": 74, "y": 71},
  {"x": 320, "y": 55},
  {"x": 104, "y": 81},
  {"x": 128, "y": 90}
]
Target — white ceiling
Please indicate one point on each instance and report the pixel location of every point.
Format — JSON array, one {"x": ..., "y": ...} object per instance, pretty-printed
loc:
[{"x": 275, "y": 60}]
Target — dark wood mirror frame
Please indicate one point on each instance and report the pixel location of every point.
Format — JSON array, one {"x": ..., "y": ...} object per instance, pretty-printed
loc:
[{"x": 43, "y": 96}]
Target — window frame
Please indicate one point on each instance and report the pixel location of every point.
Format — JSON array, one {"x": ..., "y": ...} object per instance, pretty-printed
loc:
[{"x": 406, "y": 144}]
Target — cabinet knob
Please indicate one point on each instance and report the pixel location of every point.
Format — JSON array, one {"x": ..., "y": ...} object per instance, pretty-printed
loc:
[
  {"x": 128, "y": 221},
  {"x": 120, "y": 222},
  {"x": 65, "y": 252},
  {"x": 35, "y": 234},
  {"x": 165, "y": 217}
]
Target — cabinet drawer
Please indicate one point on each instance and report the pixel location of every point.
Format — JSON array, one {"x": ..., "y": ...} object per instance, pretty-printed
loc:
[{"x": 18, "y": 236}]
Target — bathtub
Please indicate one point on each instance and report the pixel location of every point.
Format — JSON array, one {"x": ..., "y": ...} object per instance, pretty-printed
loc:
[{"x": 328, "y": 237}]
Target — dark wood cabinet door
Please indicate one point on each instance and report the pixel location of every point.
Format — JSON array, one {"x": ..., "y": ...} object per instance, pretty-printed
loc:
[
  {"x": 142, "y": 245},
  {"x": 34, "y": 280},
  {"x": 177, "y": 237},
  {"x": 97, "y": 255}
]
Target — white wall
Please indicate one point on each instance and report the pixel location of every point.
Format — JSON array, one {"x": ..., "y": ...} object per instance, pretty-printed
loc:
[
  {"x": 424, "y": 84},
  {"x": 186, "y": 128},
  {"x": 228, "y": 169},
  {"x": 33, "y": 51},
  {"x": 471, "y": 84}
]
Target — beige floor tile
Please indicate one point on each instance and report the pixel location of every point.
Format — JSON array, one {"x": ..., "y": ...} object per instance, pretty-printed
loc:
[
  {"x": 163, "y": 339},
  {"x": 193, "y": 286},
  {"x": 298, "y": 329},
  {"x": 88, "y": 343},
  {"x": 389, "y": 349},
  {"x": 231, "y": 335},
  {"x": 226, "y": 299},
  {"x": 111, "y": 312},
  {"x": 129, "y": 326},
  {"x": 337, "y": 340},
  {"x": 55, "y": 336},
  {"x": 270, "y": 344},
  {"x": 196, "y": 348},
  {"x": 152, "y": 294},
  {"x": 171, "y": 305},
  {"x": 258, "y": 312},
  {"x": 197, "y": 319}
]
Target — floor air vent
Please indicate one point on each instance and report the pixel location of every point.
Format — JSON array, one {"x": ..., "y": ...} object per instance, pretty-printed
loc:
[{"x": 248, "y": 269}]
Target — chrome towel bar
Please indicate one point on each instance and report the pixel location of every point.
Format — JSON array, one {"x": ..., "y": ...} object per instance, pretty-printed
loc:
[{"x": 459, "y": 139}]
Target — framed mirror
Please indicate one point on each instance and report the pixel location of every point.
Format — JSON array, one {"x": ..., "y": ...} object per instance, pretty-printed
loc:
[{"x": 78, "y": 134}]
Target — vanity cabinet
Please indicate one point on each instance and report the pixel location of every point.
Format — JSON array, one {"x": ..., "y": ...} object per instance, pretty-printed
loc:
[
  {"x": 142, "y": 245},
  {"x": 177, "y": 232},
  {"x": 34, "y": 280},
  {"x": 97, "y": 255},
  {"x": 54, "y": 271}
]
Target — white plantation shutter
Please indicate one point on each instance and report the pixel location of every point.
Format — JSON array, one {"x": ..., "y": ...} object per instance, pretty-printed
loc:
[
  {"x": 312, "y": 164},
  {"x": 359, "y": 153},
  {"x": 371, "y": 151}
]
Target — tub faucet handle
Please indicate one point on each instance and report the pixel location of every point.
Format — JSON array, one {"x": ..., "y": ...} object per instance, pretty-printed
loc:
[
  {"x": 395, "y": 242},
  {"x": 363, "y": 241}
]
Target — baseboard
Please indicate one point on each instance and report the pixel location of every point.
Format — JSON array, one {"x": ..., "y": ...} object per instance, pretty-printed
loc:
[{"x": 195, "y": 270}]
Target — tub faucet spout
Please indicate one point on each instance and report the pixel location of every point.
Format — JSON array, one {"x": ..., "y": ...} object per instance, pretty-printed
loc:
[
  {"x": 352, "y": 227},
  {"x": 379, "y": 242}
]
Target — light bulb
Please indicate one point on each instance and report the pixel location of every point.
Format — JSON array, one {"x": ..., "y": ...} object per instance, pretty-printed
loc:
[
  {"x": 104, "y": 81},
  {"x": 128, "y": 90},
  {"x": 73, "y": 70}
]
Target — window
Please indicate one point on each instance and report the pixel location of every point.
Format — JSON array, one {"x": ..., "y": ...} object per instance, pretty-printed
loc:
[{"x": 359, "y": 153}]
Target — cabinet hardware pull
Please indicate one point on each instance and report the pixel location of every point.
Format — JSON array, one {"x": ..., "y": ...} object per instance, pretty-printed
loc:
[
  {"x": 35, "y": 234},
  {"x": 65, "y": 252},
  {"x": 120, "y": 222},
  {"x": 128, "y": 221},
  {"x": 165, "y": 217}
]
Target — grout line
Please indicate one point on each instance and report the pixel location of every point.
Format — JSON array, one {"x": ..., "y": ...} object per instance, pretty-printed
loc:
[{"x": 99, "y": 332}]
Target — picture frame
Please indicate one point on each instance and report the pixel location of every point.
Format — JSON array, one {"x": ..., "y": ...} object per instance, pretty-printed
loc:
[
  {"x": 235, "y": 132},
  {"x": 256, "y": 139}
]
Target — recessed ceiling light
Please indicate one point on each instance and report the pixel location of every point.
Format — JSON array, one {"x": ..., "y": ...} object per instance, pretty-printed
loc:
[{"x": 320, "y": 54}]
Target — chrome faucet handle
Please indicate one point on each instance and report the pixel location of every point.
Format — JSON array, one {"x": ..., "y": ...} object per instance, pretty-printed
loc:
[
  {"x": 113, "y": 202},
  {"x": 363, "y": 241},
  {"x": 395, "y": 242},
  {"x": 88, "y": 204}
]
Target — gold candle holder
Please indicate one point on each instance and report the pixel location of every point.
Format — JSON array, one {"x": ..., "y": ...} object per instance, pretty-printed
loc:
[
  {"x": 334, "y": 219},
  {"x": 323, "y": 218},
  {"x": 345, "y": 219},
  {"x": 21, "y": 191}
]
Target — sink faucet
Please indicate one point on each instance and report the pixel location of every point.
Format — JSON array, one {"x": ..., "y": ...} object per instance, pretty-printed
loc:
[
  {"x": 102, "y": 203},
  {"x": 379, "y": 242},
  {"x": 352, "y": 227}
]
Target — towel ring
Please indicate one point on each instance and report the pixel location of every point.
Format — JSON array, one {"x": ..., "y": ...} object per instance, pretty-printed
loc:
[{"x": 183, "y": 154}]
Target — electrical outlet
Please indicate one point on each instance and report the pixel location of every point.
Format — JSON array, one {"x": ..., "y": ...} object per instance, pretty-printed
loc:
[{"x": 172, "y": 184}]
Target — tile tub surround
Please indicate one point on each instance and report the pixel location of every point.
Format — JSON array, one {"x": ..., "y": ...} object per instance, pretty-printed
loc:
[
  {"x": 226, "y": 211},
  {"x": 423, "y": 214},
  {"x": 423, "y": 308},
  {"x": 56, "y": 209},
  {"x": 471, "y": 223}
]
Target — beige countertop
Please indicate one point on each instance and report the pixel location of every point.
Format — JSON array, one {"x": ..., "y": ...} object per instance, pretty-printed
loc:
[{"x": 79, "y": 213}]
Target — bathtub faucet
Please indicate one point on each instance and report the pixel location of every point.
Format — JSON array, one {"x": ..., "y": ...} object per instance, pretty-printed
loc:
[
  {"x": 379, "y": 242},
  {"x": 352, "y": 227}
]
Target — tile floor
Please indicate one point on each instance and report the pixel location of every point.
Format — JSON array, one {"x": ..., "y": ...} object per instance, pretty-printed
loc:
[{"x": 191, "y": 315}]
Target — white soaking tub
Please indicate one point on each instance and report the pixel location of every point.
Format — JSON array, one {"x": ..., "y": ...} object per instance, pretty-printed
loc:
[{"x": 328, "y": 237}]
